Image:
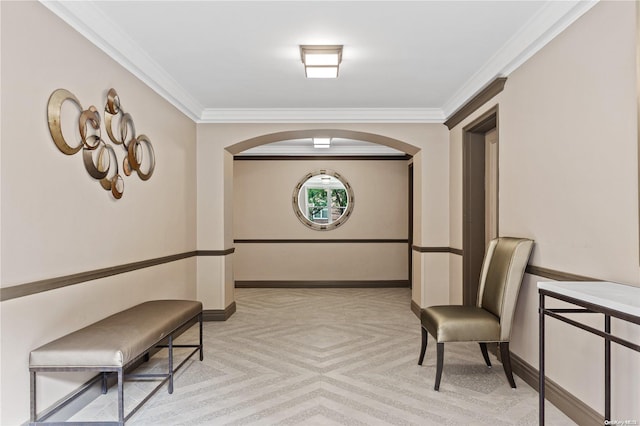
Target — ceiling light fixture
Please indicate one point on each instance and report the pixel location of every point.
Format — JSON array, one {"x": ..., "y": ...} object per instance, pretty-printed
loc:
[
  {"x": 321, "y": 61},
  {"x": 322, "y": 142}
]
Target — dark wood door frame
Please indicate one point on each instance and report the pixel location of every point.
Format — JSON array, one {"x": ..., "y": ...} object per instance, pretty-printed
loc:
[
  {"x": 410, "y": 224},
  {"x": 473, "y": 201}
]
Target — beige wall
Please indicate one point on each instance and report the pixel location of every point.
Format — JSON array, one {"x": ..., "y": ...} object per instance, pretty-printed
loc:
[
  {"x": 57, "y": 221},
  {"x": 262, "y": 210},
  {"x": 568, "y": 179},
  {"x": 427, "y": 142},
  {"x": 1, "y": 310},
  {"x": 432, "y": 268}
]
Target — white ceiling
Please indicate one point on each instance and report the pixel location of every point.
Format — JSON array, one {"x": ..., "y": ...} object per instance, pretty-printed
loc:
[{"x": 239, "y": 61}]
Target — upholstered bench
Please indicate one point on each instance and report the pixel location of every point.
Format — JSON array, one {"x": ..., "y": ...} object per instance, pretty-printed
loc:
[{"x": 114, "y": 345}]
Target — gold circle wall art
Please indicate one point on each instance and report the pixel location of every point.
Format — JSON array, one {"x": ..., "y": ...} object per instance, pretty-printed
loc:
[{"x": 100, "y": 158}]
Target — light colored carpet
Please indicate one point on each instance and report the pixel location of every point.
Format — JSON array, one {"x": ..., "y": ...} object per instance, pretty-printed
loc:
[{"x": 327, "y": 357}]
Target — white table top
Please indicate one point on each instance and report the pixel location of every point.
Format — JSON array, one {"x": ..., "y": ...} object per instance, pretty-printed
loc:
[{"x": 620, "y": 297}]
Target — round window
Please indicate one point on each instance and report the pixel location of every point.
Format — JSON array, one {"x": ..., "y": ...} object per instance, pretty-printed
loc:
[{"x": 323, "y": 200}]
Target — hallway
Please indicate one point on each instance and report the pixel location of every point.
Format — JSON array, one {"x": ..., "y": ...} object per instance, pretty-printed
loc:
[{"x": 329, "y": 357}]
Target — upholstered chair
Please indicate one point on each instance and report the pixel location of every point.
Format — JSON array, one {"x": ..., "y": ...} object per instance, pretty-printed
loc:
[{"x": 490, "y": 320}]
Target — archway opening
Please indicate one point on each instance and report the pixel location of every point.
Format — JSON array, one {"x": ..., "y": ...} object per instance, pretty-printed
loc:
[
  {"x": 374, "y": 138},
  {"x": 273, "y": 249}
]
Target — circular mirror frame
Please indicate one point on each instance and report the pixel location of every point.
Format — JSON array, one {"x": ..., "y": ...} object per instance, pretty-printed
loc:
[{"x": 317, "y": 226}]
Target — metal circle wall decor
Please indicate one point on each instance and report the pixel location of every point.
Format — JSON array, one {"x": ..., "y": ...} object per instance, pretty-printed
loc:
[
  {"x": 99, "y": 158},
  {"x": 323, "y": 200},
  {"x": 54, "y": 112}
]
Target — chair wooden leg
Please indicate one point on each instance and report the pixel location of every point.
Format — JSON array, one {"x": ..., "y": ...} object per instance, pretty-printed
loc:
[
  {"x": 440, "y": 361},
  {"x": 423, "y": 349},
  {"x": 485, "y": 354},
  {"x": 506, "y": 362}
]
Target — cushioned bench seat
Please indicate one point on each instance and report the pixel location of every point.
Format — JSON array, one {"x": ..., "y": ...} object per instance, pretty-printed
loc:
[
  {"x": 115, "y": 344},
  {"x": 116, "y": 340}
]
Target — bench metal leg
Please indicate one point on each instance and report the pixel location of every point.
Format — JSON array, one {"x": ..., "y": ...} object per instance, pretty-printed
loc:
[
  {"x": 32, "y": 395},
  {"x": 121, "y": 396},
  {"x": 171, "y": 364},
  {"x": 105, "y": 388}
]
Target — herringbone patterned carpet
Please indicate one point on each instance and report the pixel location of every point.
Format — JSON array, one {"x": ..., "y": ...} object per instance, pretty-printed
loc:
[{"x": 328, "y": 357}]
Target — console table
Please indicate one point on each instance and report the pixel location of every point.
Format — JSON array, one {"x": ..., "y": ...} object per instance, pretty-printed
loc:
[{"x": 610, "y": 299}]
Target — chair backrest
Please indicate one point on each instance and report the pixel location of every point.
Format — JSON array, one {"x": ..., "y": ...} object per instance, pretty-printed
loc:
[{"x": 501, "y": 277}]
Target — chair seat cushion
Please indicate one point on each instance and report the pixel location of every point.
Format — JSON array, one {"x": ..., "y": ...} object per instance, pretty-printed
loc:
[{"x": 460, "y": 324}]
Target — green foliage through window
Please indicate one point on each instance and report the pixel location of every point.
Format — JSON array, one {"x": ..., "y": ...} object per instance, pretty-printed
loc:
[
  {"x": 317, "y": 200},
  {"x": 339, "y": 197}
]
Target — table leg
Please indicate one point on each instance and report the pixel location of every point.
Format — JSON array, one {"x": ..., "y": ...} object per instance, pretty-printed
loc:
[
  {"x": 607, "y": 369},
  {"x": 541, "y": 361},
  {"x": 201, "y": 353}
]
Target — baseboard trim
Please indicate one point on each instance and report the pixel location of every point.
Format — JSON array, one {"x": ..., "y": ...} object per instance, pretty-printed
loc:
[
  {"x": 219, "y": 314},
  {"x": 415, "y": 308},
  {"x": 575, "y": 409},
  {"x": 322, "y": 284}
]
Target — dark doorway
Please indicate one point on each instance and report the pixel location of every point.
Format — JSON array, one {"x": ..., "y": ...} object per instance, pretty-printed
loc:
[{"x": 480, "y": 190}]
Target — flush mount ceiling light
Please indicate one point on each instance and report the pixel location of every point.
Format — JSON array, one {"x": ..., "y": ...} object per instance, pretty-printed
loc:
[
  {"x": 321, "y": 61},
  {"x": 322, "y": 142}
]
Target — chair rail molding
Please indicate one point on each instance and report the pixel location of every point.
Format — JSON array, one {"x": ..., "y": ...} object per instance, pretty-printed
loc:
[{"x": 27, "y": 289}]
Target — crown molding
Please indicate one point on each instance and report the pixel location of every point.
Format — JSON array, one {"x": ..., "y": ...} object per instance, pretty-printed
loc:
[
  {"x": 322, "y": 115},
  {"x": 484, "y": 96},
  {"x": 553, "y": 18},
  {"x": 91, "y": 23}
]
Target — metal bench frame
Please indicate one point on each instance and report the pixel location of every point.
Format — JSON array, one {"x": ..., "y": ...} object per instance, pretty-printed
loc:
[{"x": 121, "y": 377}]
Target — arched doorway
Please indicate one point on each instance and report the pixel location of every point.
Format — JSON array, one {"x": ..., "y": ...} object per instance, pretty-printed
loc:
[
  {"x": 274, "y": 250},
  {"x": 216, "y": 146},
  {"x": 267, "y": 138}
]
